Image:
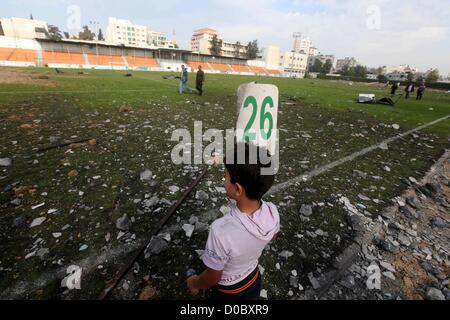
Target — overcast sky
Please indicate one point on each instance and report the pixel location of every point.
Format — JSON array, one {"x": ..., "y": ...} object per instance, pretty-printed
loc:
[{"x": 376, "y": 32}]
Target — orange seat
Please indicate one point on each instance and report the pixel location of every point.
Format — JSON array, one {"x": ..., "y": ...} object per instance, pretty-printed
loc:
[
  {"x": 62, "y": 57},
  {"x": 240, "y": 68},
  {"x": 105, "y": 60},
  {"x": 16, "y": 54},
  {"x": 141, "y": 62},
  {"x": 220, "y": 67},
  {"x": 194, "y": 65},
  {"x": 274, "y": 72}
]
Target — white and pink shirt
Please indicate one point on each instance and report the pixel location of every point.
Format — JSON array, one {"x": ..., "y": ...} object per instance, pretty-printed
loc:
[{"x": 236, "y": 242}]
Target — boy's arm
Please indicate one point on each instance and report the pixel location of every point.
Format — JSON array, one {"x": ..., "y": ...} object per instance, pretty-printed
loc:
[
  {"x": 208, "y": 279},
  {"x": 275, "y": 237}
]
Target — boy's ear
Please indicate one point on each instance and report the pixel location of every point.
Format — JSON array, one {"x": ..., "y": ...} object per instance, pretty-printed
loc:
[{"x": 240, "y": 191}]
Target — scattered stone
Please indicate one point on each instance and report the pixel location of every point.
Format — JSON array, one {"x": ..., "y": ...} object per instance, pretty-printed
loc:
[
  {"x": 363, "y": 197},
  {"x": 155, "y": 247},
  {"x": 73, "y": 174},
  {"x": 389, "y": 275},
  {"x": 263, "y": 294},
  {"x": 189, "y": 229},
  {"x": 38, "y": 206},
  {"x": 16, "y": 202},
  {"x": 396, "y": 126},
  {"x": 5, "y": 162},
  {"x": 146, "y": 175},
  {"x": 358, "y": 173},
  {"x": 57, "y": 235},
  {"x": 413, "y": 202},
  {"x": 153, "y": 201},
  {"x": 439, "y": 223},
  {"x": 201, "y": 195},
  {"x": 18, "y": 222},
  {"x": 225, "y": 210},
  {"x": 387, "y": 169},
  {"x": 148, "y": 293},
  {"x": 41, "y": 253},
  {"x": 306, "y": 210},
  {"x": 285, "y": 254},
  {"x": 83, "y": 247},
  {"x": 348, "y": 282},
  {"x": 293, "y": 281},
  {"x": 434, "y": 294},
  {"x": 37, "y": 222},
  {"x": 313, "y": 281},
  {"x": 123, "y": 223},
  {"x": 174, "y": 189}
]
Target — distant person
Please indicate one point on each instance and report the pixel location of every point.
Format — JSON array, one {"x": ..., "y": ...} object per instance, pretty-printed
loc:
[
  {"x": 420, "y": 91},
  {"x": 184, "y": 80},
  {"x": 200, "y": 80},
  {"x": 237, "y": 240},
  {"x": 409, "y": 89},
  {"x": 394, "y": 88}
]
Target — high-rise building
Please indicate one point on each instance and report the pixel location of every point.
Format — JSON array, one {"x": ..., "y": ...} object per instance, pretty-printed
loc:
[
  {"x": 124, "y": 32},
  {"x": 302, "y": 45},
  {"x": 201, "y": 43},
  {"x": 271, "y": 56}
]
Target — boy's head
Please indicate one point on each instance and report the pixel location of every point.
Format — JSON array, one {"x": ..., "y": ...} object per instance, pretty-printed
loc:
[{"x": 243, "y": 178}]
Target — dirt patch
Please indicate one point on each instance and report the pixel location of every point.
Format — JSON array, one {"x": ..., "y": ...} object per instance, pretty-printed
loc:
[{"x": 9, "y": 76}]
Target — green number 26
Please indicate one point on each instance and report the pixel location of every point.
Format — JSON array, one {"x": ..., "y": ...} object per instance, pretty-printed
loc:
[{"x": 265, "y": 116}]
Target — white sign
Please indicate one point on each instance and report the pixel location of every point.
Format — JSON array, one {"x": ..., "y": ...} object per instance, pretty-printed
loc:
[{"x": 258, "y": 115}]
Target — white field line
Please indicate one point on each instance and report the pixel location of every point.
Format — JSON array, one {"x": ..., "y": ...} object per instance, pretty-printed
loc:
[
  {"x": 90, "y": 262},
  {"x": 77, "y": 91},
  {"x": 314, "y": 173}
]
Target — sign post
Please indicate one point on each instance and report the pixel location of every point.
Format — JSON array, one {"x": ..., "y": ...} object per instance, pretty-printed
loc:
[{"x": 258, "y": 116}]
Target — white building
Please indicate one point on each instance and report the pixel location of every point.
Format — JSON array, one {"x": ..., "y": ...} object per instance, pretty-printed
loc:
[
  {"x": 159, "y": 39},
  {"x": 124, "y": 32},
  {"x": 348, "y": 61},
  {"x": 302, "y": 45},
  {"x": 23, "y": 28},
  {"x": 294, "y": 64},
  {"x": 272, "y": 57},
  {"x": 201, "y": 43}
]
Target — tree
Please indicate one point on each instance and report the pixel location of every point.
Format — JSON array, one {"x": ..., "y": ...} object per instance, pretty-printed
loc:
[
  {"x": 237, "y": 51},
  {"x": 410, "y": 77},
  {"x": 100, "y": 36},
  {"x": 433, "y": 76},
  {"x": 216, "y": 46},
  {"x": 326, "y": 68},
  {"x": 252, "y": 50},
  {"x": 345, "y": 71},
  {"x": 382, "y": 78},
  {"x": 31, "y": 17},
  {"x": 359, "y": 71},
  {"x": 86, "y": 34},
  {"x": 54, "y": 33},
  {"x": 66, "y": 35},
  {"x": 317, "y": 66}
]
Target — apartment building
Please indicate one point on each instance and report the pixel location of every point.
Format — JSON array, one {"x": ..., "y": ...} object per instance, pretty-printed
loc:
[{"x": 23, "y": 28}]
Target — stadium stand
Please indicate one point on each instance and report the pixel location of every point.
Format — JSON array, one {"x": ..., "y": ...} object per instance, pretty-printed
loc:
[
  {"x": 194, "y": 65},
  {"x": 258, "y": 70},
  {"x": 62, "y": 58},
  {"x": 241, "y": 68},
  {"x": 220, "y": 67},
  {"x": 106, "y": 60},
  {"x": 141, "y": 62},
  {"x": 16, "y": 54}
]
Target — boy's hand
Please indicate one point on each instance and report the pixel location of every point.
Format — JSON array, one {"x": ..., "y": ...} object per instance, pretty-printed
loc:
[{"x": 191, "y": 281}]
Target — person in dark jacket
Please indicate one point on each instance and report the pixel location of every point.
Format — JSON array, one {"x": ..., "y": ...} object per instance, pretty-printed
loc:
[
  {"x": 420, "y": 91},
  {"x": 394, "y": 88},
  {"x": 200, "y": 80},
  {"x": 409, "y": 89}
]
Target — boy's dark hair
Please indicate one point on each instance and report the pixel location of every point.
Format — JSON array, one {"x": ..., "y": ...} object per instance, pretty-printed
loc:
[{"x": 247, "y": 171}]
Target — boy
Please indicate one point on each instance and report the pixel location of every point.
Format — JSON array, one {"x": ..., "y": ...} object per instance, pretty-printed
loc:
[
  {"x": 200, "y": 80},
  {"x": 236, "y": 241}
]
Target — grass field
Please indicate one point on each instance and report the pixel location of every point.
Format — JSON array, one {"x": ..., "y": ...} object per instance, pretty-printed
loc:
[{"x": 319, "y": 122}]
